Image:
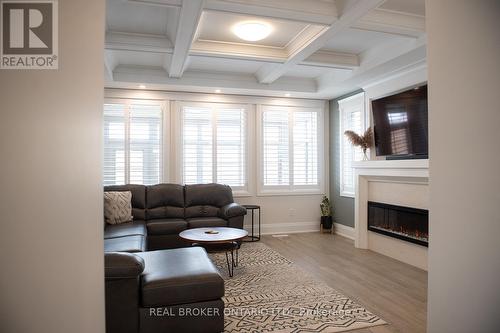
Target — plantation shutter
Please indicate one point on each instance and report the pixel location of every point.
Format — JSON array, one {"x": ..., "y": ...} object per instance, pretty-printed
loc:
[
  {"x": 132, "y": 144},
  {"x": 114, "y": 144},
  {"x": 231, "y": 147},
  {"x": 351, "y": 118},
  {"x": 197, "y": 138},
  {"x": 145, "y": 144},
  {"x": 305, "y": 148},
  {"x": 275, "y": 146},
  {"x": 214, "y": 144}
]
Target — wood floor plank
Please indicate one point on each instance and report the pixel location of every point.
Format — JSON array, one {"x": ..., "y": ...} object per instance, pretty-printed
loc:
[{"x": 397, "y": 292}]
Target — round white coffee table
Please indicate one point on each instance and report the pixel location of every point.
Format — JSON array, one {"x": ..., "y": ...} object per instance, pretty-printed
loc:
[{"x": 217, "y": 239}]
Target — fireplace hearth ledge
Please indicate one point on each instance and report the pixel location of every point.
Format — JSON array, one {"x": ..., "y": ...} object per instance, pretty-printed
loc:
[{"x": 398, "y": 171}]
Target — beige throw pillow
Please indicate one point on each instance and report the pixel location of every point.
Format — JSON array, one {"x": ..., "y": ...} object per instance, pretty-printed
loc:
[{"x": 117, "y": 207}]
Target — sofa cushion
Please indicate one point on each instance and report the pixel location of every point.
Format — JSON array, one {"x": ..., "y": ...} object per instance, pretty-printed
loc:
[
  {"x": 125, "y": 244},
  {"x": 166, "y": 226},
  {"x": 201, "y": 222},
  {"x": 165, "y": 201},
  {"x": 138, "y": 198},
  {"x": 121, "y": 265},
  {"x": 205, "y": 200},
  {"x": 179, "y": 276},
  {"x": 232, "y": 210},
  {"x": 117, "y": 207},
  {"x": 217, "y": 195},
  {"x": 125, "y": 229},
  {"x": 163, "y": 242},
  {"x": 202, "y": 211}
]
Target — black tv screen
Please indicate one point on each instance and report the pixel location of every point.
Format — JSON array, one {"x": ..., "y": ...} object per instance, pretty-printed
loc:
[{"x": 400, "y": 124}]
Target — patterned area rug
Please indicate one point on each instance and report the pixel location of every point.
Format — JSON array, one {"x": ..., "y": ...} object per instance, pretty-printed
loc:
[{"x": 269, "y": 294}]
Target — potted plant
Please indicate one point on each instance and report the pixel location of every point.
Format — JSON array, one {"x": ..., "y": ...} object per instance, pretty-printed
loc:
[{"x": 326, "y": 213}]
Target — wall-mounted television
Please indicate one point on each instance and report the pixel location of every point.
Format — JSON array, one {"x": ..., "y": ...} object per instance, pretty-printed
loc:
[{"x": 400, "y": 124}]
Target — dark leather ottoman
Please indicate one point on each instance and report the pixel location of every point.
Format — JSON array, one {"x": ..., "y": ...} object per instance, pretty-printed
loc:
[{"x": 181, "y": 291}]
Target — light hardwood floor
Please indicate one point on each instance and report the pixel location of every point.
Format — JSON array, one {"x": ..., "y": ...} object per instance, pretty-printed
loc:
[{"x": 397, "y": 292}]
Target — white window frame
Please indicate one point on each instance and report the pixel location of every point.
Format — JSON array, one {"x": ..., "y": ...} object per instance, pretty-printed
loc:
[
  {"x": 344, "y": 105},
  {"x": 165, "y": 133},
  {"x": 238, "y": 191},
  {"x": 291, "y": 189}
]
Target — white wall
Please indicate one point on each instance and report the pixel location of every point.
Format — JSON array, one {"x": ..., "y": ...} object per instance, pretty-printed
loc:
[
  {"x": 280, "y": 213},
  {"x": 51, "y": 247},
  {"x": 400, "y": 193},
  {"x": 464, "y": 118},
  {"x": 285, "y": 214}
]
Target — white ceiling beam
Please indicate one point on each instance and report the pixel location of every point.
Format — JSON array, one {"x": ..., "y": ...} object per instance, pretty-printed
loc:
[
  {"x": 311, "y": 11},
  {"x": 332, "y": 59},
  {"x": 270, "y": 73},
  {"x": 188, "y": 23},
  {"x": 128, "y": 76},
  {"x": 272, "y": 55},
  {"x": 138, "y": 42},
  {"x": 108, "y": 74},
  {"x": 159, "y": 3},
  {"x": 303, "y": 38},
  {"x": 390, "y": 22},
  {"x": 238, "y": 51},
  {"x": 109, "y": 65},
  {"x": 160, "y": 44}
]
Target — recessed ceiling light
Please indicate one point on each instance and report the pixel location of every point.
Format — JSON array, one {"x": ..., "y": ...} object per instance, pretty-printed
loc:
[
  {"x": 288, "y": 95},
  {"x": 217, "y": 91},
  {"x": 252, "y": 30},
  {"x": 142, "y": 86}
]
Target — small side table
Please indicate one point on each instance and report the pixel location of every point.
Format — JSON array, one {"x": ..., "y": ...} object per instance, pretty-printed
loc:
[{"x": 252, "y": 237}]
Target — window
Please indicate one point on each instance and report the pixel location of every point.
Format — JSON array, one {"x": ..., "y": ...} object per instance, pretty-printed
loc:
[
  {"x": 214, "y": 144},
  {"x": 290, "y": 153},
  {"x": 352, "y": 117},
  {"x": 399, "y": 132},
  {"x": 132, "y": 143}
]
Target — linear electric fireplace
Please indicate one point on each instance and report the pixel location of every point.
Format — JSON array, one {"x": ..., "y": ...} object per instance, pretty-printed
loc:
[{"x": 409, "y": 224}]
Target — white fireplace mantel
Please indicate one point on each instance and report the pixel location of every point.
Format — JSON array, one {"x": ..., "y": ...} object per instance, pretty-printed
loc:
[{"x": 401, "y": 171}]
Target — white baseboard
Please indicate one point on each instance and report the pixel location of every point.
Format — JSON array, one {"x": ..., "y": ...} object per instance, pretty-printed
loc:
[
  {"x": 299, "y": 227},
  {"x": 284, "y": 228},
  {"x": 344, "y": 230}
]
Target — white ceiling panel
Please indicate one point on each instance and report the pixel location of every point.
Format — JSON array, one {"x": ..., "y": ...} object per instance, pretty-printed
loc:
[
  {"x": 137, "y": 18},
  {"x": 206, "y": 64},
  {"x": 216, "y": 26},
  {"x": 313, "y": 72},
  {"x": 415, "y": 7},
  {"x": 357, "y": 41},
  {"x": 151, "y": 59}
]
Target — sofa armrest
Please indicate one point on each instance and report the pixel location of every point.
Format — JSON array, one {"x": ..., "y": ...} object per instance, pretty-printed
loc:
[
  {"x": 232, "y": 210},
  {"x": 121, "y": 265}
]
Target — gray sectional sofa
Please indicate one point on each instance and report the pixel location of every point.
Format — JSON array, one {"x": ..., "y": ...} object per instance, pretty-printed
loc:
[{"x": 154, "y": 281}]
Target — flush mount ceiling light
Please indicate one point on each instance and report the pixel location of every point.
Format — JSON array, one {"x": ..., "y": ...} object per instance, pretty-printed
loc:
[{"x": 252, "y": 30}]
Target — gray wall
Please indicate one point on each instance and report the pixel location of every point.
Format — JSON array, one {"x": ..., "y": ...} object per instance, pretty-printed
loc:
[
  {"x": 51, "y": 247},
  {"x": 343, "y": 206},
  {"x": 464, "y": 118}
]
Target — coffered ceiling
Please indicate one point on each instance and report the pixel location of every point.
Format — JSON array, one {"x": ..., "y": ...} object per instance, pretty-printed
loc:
[{"x": 315, "y": 48}]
